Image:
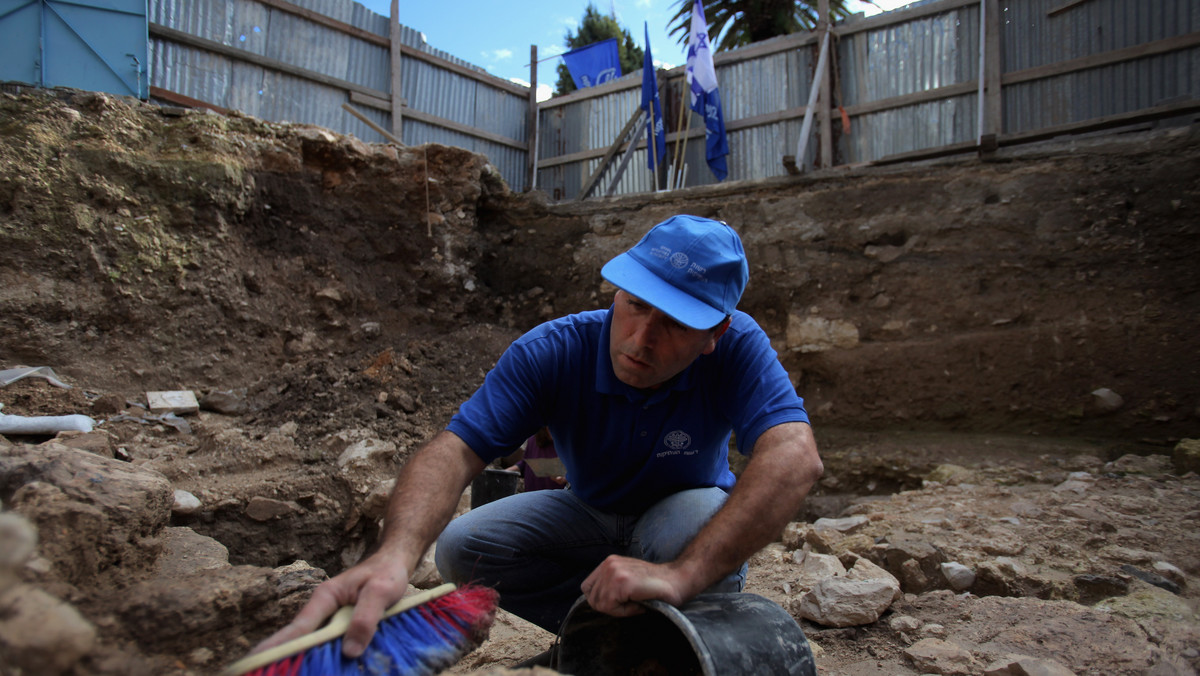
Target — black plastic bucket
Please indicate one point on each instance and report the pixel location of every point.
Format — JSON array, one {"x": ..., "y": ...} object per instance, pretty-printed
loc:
[
  {"x": 711, "y": 635},
  {"x": 494, "y": 484}
]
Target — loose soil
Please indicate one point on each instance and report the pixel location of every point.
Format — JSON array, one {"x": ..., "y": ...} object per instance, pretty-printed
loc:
[{"x": 316, "y": 292}]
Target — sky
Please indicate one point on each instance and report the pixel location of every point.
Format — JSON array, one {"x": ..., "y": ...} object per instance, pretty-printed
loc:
[{"x": 496, "y": 36}]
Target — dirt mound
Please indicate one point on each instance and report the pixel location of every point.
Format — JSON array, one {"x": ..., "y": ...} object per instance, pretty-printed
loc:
[{"x": 331, "y": 303}]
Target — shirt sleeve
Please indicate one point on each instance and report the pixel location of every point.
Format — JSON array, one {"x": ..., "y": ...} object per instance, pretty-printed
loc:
[
  {"x": 759, "y": 392},
  {"x": 503, "y": 412}
]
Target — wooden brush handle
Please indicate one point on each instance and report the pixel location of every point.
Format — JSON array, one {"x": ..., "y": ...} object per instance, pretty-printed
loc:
[{"x": 335, "y": 627}]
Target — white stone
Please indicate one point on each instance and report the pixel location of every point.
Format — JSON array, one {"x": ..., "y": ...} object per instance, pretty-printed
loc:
[
  {"x": 959, "y": 576},
  {"x": 185, "y": 503},
  {"x": 841, "y": 602}
]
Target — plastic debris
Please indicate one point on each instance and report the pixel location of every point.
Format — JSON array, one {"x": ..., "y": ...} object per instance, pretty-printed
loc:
[
  {"x": 44, "y": 424},
  {"x": 9, "y": 376}
]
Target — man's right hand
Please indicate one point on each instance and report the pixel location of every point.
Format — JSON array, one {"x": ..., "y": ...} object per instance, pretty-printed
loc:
[{"x": 371, "y": 586}]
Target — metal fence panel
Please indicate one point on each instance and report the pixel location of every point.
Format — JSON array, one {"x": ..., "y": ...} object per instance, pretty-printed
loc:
[{"x": 85, "y": 44}]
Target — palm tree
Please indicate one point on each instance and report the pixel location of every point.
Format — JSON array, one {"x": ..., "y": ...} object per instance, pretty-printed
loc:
[{"x": 733, "y": 23}]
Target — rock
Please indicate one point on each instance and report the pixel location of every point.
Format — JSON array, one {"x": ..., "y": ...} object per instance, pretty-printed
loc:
[
  {"x": 108, "y": 404},
  {"x": 160, "y": 611},
  {"x": 958, "y": 576},
  {"x": 937, "y": 656},
  {"x": 1023, "y": 665},
  {"x": 916, "y": 563},
  {"x": 73, "y": 496},
  {"x": 40, "y": 634},
  {"x": 812, "y": 568},
  {"x": 1171, "y": 573},
  {"x": 1186, "y": 456},
  {"x": 18, "y": 542},
  {"x": 846, "y": 525},
  {"x": 843, "y": 602},
  {"x": 904, "y": 624},
  {"x": 185, "y": 552},
  {"x": 266, "y": 509},
  {"x": 1094, "y": 588},
  {"x": 817, "y": 334},
  {"x": 185, "y": 503},
  {"x": 93, "y": 442},
  {"x": 794, "y": 535},
  {"x": 1106, "y": 400},
  {"x": 366, "y": 452},
  {"x": 863, "y": 569},
  {"x": 1149, "y": 602},
  {"x": 1151, "y": 578},
  {"x": 374, "y": 506},
  {"x": 226, "y": 402},
  {"x": 951, "y": 475}
]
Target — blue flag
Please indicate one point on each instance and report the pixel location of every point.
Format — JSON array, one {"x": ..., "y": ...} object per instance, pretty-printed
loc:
[
  {"x": 705, "y": 97},
  {"x": 594, "y": 64},
  {"x": 656, "y": 137}
]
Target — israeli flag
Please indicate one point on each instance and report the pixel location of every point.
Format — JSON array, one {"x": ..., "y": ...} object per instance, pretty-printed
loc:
[
  {"x": 594, "y": 64},
  {"x": 656, "y": 137},
  {"x": 705, "y": 97}
]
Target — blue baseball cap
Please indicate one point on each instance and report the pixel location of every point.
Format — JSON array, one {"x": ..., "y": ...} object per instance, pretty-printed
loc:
[{"x": 693, "y": 269}]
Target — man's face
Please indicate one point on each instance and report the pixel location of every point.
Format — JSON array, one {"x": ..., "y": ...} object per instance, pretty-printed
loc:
[{"x": 648, "y": 348}]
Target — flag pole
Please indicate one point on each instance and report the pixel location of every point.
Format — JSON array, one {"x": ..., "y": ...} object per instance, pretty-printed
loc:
[{"x": 681, "y": 148}]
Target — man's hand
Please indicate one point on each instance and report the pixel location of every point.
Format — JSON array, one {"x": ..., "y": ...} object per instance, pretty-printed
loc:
[
  {"x": 371, "y": 586},
  {"x": 619, "y": 582}
]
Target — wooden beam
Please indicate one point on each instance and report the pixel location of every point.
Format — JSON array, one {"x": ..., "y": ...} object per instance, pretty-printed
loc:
[
  {"x": 612, "y": 151},
  {"x": 328, "y": 22},
  {"x": 160, "y": 31},
  {"x": 993, "y": 108},
  {"x": 531, "y": 123},
  {"x": 373, "y": 101},
  {"x": 901, "y": 16},
  {"x": 825, "y": 105},
  {"x": 1104, "y": 59},
  {"x": 168, "y": 95},
  {"x": 442, "y": 122},
  {"x": 367, "y": 121},
  {"x": 395, "y": 52}
]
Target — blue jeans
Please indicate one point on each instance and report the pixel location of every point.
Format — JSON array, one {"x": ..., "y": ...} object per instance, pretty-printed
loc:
[{"x": 536, "y": 548}]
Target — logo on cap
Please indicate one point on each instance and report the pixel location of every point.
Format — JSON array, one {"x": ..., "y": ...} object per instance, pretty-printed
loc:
[{"x": 679, "y": 260}]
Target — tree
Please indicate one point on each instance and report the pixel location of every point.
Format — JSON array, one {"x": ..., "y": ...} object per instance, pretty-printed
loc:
[
  {"x": 733, "y": 23},
  {"x": 593, "y": 28}
]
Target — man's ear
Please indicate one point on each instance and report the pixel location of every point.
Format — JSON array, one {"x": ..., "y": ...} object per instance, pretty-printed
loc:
[{"x": 717, "y": 332}]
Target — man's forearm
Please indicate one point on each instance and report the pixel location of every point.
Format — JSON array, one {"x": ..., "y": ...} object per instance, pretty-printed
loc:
[
  {"x": 426, "y": 495},
  {"x": 782, "y": 470}
]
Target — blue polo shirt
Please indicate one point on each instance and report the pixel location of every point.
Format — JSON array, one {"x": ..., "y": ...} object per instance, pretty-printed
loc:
[{"x": 626, "y": 448}]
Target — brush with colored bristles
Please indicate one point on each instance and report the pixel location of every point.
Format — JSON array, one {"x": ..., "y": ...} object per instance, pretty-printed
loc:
[{"x": 420, "y": 635}]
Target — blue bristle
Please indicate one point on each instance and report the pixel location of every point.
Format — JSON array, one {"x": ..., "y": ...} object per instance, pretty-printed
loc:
[{"x": 409, "y": 644}]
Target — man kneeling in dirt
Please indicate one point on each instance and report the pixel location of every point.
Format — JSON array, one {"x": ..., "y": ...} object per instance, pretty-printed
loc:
[{"x": 641, "y": 399}]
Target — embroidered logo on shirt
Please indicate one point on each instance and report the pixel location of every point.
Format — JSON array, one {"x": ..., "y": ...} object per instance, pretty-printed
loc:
[{"x": 677, "y": 440}]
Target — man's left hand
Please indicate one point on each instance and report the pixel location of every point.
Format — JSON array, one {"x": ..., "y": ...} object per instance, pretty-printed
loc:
[{"x": 617, "y": 585}]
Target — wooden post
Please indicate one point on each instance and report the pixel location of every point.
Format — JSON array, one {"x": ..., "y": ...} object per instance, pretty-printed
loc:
[
  {"x": 397, "y": 98},
  {"x": 826, "y": 105},
  {"x": 531, "y": 124},
  {"x": 993, "y": 102}
]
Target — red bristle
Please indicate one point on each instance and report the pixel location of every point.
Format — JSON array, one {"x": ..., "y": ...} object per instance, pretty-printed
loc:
[{"x": 288, "y": 666}]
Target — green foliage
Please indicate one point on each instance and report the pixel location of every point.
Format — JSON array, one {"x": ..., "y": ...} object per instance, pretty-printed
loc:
[
  {"x": 734, "y": 23},
  {"x": 593, "y": 28}
]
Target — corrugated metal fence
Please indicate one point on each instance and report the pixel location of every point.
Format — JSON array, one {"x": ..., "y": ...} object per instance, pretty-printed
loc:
[
  {"x": 302, "y": 60},
  {"x": 904, "y": 84}
]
